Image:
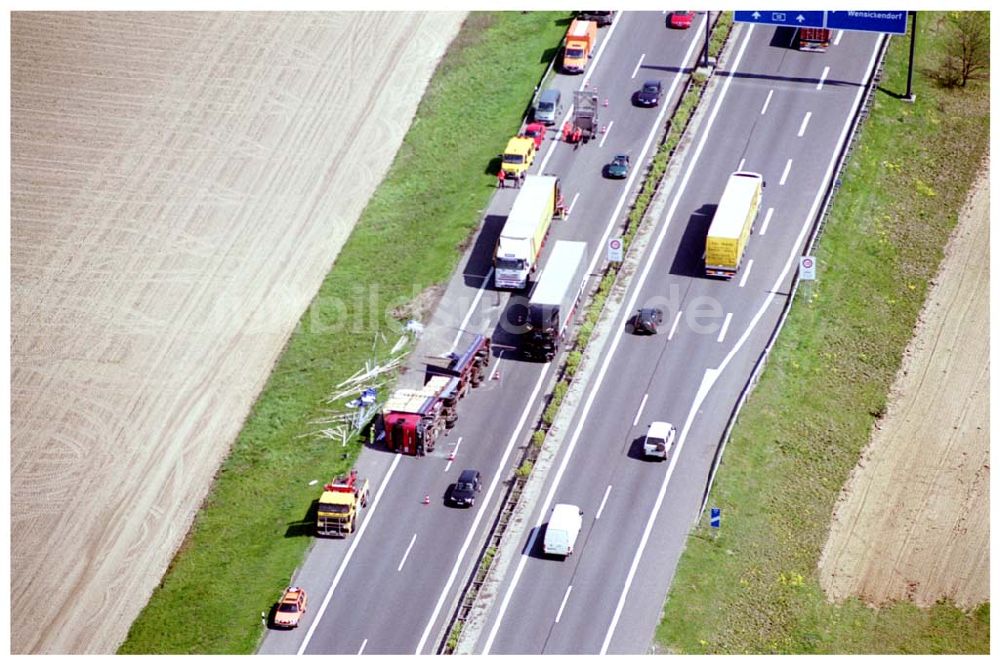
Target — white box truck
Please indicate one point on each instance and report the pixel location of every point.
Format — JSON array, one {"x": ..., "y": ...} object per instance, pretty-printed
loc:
[
  {"x": 554, "y": 299},
  {"x": 562, "y": 530},
  {"x": 524, "y": 233}
]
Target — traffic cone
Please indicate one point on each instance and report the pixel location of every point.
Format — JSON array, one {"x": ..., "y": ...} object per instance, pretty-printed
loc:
[
  {"x": 496, "y": 376},
  {"x": 427, "y": 499},
  {"x": 451, "y": 456},
  {"x": 604, "y": 129},
  {"x": 605, "y": 101}
]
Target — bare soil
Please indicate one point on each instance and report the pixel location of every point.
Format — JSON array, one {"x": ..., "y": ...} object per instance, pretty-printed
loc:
[
  {"x": 912, "y": 522},
  {"x": 181, "y": 183}
]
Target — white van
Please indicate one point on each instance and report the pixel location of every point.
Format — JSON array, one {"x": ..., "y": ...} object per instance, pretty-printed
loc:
[
  {"x": 659, "y": 439},
  {"x": 563, "y": 528}
]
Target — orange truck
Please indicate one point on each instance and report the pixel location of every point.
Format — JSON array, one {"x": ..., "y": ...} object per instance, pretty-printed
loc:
[{"x": 580, "y": 40}]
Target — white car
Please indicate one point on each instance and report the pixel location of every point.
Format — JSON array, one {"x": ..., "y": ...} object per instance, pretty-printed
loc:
[{"x": 659, "y": 439}]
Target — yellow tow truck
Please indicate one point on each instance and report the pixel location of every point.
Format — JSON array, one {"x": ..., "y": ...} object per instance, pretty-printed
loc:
[{"x": 339, "y": 505}]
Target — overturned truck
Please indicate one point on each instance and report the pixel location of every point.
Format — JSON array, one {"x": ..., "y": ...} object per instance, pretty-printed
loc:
[{"x": 412, "y": 420}]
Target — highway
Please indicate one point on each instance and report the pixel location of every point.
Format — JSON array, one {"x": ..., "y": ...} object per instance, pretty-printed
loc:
[
  {"x": 772, "y": 110},
  {"x": 390, "y": 588}
]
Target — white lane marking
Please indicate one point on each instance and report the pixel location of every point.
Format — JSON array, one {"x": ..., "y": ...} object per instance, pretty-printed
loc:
[
  {"x": 406, "y": 554},
  {"x": 355, "y": 540},
  {"x": 459, "y": 442},
  {"x": 499, "y": 474},
  {"x": 742, "y": 162},
  {"x": 363, "y": 644},
  {"x": 673, "y": 328},
  {"x": 572, "y": 203},
  {"x": 836, "y": 40},
  {"x": 638, "y": 65},
  {"x": 767, "y": 101},
  {"x": 657, "y": 244},
  {"x": 767, "y": 218},
  {"x": 746, "y": 273},
  {"x": 641, "y": 405},
  {"x": 784, "y": 174},
  {"x": 725, "y": 327},
  {"x": 604, "y": 501},
  {"x": 826, "y": 70},
  {"x": 472, "y": 308},
  {"x": 563, "y": 604},
  {"x": 607, "y": 131},
  {"x": 805, "y": 121},
  {"x": 702, "y": 390},
  {"x": 711, "y": 375}
]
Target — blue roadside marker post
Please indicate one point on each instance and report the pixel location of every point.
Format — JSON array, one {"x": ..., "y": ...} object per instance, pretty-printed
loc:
[{"x": 716, "y": 518}]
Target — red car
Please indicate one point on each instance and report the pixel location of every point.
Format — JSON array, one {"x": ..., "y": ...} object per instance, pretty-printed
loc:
[
  {"x": 680, "y": 20},
  {"x": 536, "y": 132},
  {"x": 291, "y": 608}
]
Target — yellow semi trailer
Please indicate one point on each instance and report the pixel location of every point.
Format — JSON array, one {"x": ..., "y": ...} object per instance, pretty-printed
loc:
[{"x": 733, "y": 222}]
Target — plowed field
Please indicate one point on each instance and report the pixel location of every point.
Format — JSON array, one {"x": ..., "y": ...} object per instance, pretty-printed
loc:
[
  {"x": 181, "y": 182},
  {"x": 913, "y": 522}
]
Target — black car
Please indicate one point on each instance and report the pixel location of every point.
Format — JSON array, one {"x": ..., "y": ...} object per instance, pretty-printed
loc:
[
  {"x": 602, "y": 18},
  {"x": 650, "y": 93},
  {"x": 647, "y": 320},
  {"x": 465, "y": 489}
]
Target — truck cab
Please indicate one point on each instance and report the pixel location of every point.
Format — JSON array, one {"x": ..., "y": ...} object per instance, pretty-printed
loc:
[{"x": 518, "y": 157}]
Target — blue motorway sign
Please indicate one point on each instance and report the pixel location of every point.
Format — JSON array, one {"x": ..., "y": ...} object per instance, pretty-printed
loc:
[
  {"x": 716, "y": 517},
  {"x": 884, "y": 21},
  {"x": 869, "y": 21},
  {"x": 795, "y": 19}
]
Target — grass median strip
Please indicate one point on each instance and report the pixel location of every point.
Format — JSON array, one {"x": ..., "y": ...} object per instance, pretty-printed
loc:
[
  {"x": 255, "y": 525},
  {"x": 753, "y": 586}
]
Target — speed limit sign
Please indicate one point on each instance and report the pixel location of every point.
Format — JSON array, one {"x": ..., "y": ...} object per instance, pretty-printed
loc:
[
  {"x": 615, "y": 250},
  {"x": 807, "y": 268}
]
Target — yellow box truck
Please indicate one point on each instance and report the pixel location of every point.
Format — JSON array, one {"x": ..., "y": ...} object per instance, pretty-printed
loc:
[{"x": 733, "y": 222}]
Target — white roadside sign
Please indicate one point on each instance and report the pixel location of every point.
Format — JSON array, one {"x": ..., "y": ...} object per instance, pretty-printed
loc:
[
  {"x": 807, "y": 268},
  {"x": 615, "y": 252}
]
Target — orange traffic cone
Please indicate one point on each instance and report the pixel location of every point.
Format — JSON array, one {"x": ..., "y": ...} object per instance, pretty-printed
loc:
[{"x": 427, "y": 499}]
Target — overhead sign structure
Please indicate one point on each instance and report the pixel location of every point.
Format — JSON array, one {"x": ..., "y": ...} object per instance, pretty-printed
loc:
[
  {"x": 892, "y": 22},
  {"x": 807, "y": 268},
  {"x": 795, "y": 19},
  {"x": 615, "y": 252}
]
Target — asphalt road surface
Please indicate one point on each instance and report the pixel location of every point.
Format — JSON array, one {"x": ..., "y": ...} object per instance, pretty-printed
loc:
[
  {"x": 391, "y": 587},
  {"x": 772, "y": 110}
]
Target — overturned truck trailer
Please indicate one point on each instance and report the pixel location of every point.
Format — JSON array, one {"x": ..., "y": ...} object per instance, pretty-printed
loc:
[{"x": 412, "y": 420}]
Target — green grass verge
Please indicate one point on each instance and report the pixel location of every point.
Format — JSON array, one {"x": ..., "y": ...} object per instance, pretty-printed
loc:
[
  {"x": 754, "y": 588},
  {"x": 255, "y": 525}
]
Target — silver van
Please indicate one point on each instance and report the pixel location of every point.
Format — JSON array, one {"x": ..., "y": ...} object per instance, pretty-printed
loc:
[{"x": 548, "y": 106}]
